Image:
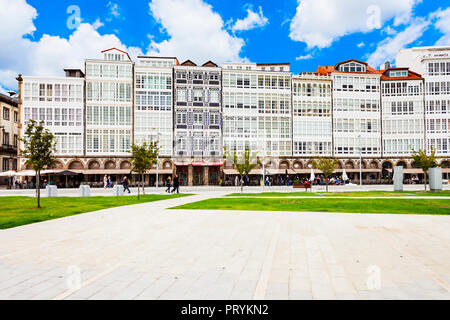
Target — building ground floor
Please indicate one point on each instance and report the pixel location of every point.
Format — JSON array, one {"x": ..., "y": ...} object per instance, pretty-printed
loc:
[{"x": 71, "y": 172}]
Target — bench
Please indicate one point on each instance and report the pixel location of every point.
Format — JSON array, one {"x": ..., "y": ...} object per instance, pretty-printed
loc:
[{"x": 302, "y": 186}]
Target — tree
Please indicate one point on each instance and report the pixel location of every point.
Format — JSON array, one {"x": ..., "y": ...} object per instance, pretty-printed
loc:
[
  {"x": 243, "y": 164},
  {"x": 39, "y": 146},
  {"x": 425, "y": 161},
  {"x": 142, "y": 158},
  {"x": 326, "y": 165}
]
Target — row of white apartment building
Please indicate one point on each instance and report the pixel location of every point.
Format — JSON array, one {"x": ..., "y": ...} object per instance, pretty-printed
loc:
[{"x": 348, "y": 110}]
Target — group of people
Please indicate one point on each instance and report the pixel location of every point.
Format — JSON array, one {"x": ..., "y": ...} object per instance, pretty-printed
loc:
[
  {"x": 106, "y": 181},
  {"x": 175, "y": 184},
  {"x": 124, "y": 182},
  {"x": 270, "y": 181}
]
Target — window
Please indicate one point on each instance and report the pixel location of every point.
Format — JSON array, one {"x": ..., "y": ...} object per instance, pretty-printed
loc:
[
  {"x": 198, "y": 118},
  {"x": 198, "y": 95},
  {"x": 5, "y": 164},
  {"x": 5, "y": 138},
  {"x": 15, "y": 141},
  {"x": 16, "y": 117},
  {"x": 5, "y": 113}
]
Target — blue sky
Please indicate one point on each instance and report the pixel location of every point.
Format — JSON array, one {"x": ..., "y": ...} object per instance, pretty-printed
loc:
[{"x": 305, "y": 33}]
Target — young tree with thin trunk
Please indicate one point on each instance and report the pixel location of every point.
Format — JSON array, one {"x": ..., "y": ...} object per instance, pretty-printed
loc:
[
  {"x": 39, "y": 146},
  {"x": 243, "y": 164},
  {"x": 142, "y": 158},
  {"x": 425, "y": 161},
  {"x": 327, "y": 166}
]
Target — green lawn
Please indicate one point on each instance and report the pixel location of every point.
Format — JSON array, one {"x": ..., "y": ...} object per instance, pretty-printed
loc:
[
  {"x": 17, "y": 211},
  {"x": 395, "y": 206},
  {"x": 445, "y": 193}
]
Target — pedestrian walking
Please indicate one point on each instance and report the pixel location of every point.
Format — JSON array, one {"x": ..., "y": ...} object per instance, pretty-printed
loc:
[
  {"x": 176, "y": 184},
  {"x": 168, "y": 184},
  {"x": 105, "y": 181},
  {"x": 108, "y": 182},
  {"x": 125, "y": 184},
  {"x": 236, "y": 181}
]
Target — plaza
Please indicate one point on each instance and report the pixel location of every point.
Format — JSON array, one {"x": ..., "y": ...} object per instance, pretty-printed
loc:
[{"x": 149, "y": 251}]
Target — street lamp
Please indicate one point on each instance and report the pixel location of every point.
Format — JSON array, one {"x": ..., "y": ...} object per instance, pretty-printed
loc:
[
  {"x": 360, "y": 161},
  {"x": 157, "y": 165}
]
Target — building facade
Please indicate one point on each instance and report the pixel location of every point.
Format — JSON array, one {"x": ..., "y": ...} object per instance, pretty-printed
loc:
[
  {"x": 153, "y": 106},
  {"x": 9, "y": 123},
  {"x": 58, "y": 102},
  {"x": 198, "y": 122},
  {"x": 312, "y": 115},
  {"x": 403, "y": 117},
  {"x": 434, "y": 64},
  {"x": 369, "y": 119}
]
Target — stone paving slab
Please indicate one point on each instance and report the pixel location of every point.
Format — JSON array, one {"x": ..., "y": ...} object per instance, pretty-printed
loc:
[{"x": 148, "y": 252}]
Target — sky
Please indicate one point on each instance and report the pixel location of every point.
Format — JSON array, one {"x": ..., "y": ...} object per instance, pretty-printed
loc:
[{"x": 42, "y": 37}]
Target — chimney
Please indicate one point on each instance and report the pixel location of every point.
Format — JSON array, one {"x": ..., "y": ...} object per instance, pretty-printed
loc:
[{"x": 387, "y": 65}]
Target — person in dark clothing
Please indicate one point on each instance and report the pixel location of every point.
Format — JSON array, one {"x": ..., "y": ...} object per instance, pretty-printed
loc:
[
  {"x": 125, "y": 184},
  {"x": 176, "y": 184},
  {"x": 168, "y": 184}
]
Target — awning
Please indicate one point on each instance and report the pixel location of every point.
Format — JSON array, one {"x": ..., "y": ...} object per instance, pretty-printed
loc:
[
  {"x": 199, "y": 163},
  {"x": 280, "y": 171},
  {"x": 234, "y": 171},
  {"x": 230, "y": 171},
  {"x": 8, "y": 174},
  {"x": 357, "y": 170},
  {"x": 255, "y": 172},
  {"x": 160, "y": 171},
  {"x": 107, "y": 171},
  {"x": 26, "y": 173},
  {"x": 409, "y": 171},
  {"x": 308, "y": 171}
]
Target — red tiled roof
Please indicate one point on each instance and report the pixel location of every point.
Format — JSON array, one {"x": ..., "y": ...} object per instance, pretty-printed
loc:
[
  {"x": 117, "y": 50},
  {"x": 411, "y": 75}
]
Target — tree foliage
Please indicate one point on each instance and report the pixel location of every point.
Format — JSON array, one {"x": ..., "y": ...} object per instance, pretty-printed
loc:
[
  {"x": 142, "y": 158},
  {"x": 326, "y": 165},
  {"x": 425, "y": 161},
  {"x": 243, "y": 163},
  {"x": 39, "y": 145}
]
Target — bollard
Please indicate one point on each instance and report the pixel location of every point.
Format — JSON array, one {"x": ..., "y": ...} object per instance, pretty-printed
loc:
[
  {"x": 398, "y": 178},
  {"x": 118, "y": 190},
  {"x": 52, "y": 191},
  {"x": 435, "y": 179},
  {"x": 85, "y": 191}
]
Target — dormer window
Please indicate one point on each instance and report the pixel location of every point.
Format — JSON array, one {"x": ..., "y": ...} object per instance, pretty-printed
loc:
[
  {"x": 352, "y": 67},
  {"x": 114, "y": 57},
  {"x": 398, "y": 73}
]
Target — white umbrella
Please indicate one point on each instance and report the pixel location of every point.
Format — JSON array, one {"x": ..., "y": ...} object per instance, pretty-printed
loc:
[
  {"x": 26, "y": 173},
  {"x": 49, "y": 171},
  {"x": 8, "y": 174},
  {"x": 312, "y": 175},
  {"x": 344, "y": 175}
]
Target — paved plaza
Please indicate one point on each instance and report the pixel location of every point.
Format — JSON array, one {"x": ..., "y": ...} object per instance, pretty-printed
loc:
[{"x": 146, "y": 251}]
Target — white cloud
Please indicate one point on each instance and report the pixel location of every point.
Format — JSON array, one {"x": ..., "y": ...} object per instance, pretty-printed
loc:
[
  {"x": 389, "y": 31},
  {"x": 97, "y": 24},
  {"x": 114, "y": 9},
  {"x": 252, "y": 21},
  {"x": 443, "y": 25},
  {"x": 49, "y": 55},
  {"x": 361, "y": 44},
  {"x": 305, "y": 57},
  {"x": 320, "y": 22},
  {"x": 388, "y": 48},
  {"x": 196, "y": 32}
]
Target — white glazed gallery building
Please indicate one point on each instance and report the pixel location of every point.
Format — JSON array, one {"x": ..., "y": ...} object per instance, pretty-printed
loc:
[{"x": 349, "y": 110}]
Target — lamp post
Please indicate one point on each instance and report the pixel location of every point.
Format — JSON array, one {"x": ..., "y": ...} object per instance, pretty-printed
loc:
[
  {"x": 360, "y": 161},
  {"x": 157, "y": 165}
]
